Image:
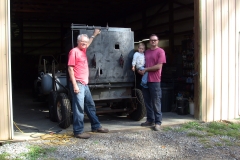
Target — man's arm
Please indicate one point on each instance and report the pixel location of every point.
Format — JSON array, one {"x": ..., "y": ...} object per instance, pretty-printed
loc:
[
  {"x": 95, "y": 33},
  {"x": 151, "y": 69},
  {"x": 73, "y": 80},
  {"x": 154, "y": 68}
]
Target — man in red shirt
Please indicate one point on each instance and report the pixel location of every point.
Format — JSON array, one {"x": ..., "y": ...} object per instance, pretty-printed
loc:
[
  {"x": 81, "y": 96},
  {"x": 154, "y": 57}
]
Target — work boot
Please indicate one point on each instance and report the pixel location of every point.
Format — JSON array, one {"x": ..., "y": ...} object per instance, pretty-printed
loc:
[
  {"x": 101, "y": 130},
  {"x": 148, "y": 124},
  {"x": 157, "y": 127},
  {"x": 83, "y": 136}
]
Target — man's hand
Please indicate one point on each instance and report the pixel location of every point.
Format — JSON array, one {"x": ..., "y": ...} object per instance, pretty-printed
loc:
[
  {"x": 76, "y": 89},
  {"x": 96, "y": 32},
  {"x": 141, "y": 72}
]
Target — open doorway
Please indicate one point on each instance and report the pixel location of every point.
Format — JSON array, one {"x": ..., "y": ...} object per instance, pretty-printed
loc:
[{"x": 35, "y": 35}]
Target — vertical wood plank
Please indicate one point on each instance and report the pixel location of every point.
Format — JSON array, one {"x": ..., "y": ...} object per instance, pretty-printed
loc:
[
  {"x": 203, "y": 69},
  {"x": 210, "y": 60},
  {"x": 225, "y": 64},
  {"x": 3, "y": 118},
  {"x": 217, "y": 60},
  {"x": 237, "y": 54},
  {"x": 197, "y": 41},
  {"x": 5, "y": 107},
  {"x": 231, "y": 60}
]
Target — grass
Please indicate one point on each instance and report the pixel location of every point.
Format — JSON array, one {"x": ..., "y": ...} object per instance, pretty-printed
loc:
[
  {"x": 226, "y": 141},
  {"x": 237, "y": 144},
  {"x": 193, "y": 125},
  {"x": 37, "y": 151},
  {"x": 218, "y": 144},
  {"x": 4, "y": 156},
  {"x": 206, "y": 142},
  {"x": 34, "y": 153},
  {"x": 224, "y": 129},
  {"x": 204, "y": 131},
  {"x": 195, "y": 134},
  {"x": 167, "y": 128},
  {"x": 179, "y": 129},
  {"x": 209, "y": 129}
]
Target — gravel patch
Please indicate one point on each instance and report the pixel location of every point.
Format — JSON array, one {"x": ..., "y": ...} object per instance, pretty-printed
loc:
[{"x": 135, "y": 145}]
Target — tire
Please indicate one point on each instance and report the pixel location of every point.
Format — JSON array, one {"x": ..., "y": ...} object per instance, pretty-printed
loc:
[
  {"x": 63, "y": 108},
  {"x": 36, "y": 88},
  {"x": 52, "y": 98},
  {"x": 140, "y": 111}
]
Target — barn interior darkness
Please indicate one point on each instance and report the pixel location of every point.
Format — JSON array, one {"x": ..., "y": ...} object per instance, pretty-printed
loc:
[{"x": 39, "y": 28}]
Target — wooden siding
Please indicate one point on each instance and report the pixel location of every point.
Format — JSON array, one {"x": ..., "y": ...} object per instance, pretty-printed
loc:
[
  {"x": 237, "y": 60},
  {"x": 219, "y": 59},
  {"x": 5, "y": 72}
]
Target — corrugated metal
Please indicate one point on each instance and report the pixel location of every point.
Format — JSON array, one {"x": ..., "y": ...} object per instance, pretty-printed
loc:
[
  {"x": 5, "y": 73},
  {"x": 237, "y": 60},
  {"x": 219, "y": 57}
]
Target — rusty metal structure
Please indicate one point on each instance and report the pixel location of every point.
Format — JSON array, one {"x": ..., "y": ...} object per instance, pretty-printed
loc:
[
  {"x": 111, "y": 80},
  {"x": 109, "y": 57}
]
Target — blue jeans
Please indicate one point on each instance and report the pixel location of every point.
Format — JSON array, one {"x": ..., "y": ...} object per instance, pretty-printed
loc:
[
  {"x": 152, "y": 98},
  {"x": 144, "y": 78},
  {"x": 83, "y": 102}
]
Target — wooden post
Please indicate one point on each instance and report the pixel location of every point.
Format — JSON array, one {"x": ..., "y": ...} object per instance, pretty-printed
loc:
[
  {"x": 197, "y": 88},
  {"x": 171, "y": 27}
]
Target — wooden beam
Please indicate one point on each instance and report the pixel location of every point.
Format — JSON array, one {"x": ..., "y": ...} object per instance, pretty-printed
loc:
[
  {"x": 171, "y": 26},
  {"x": 159, "y": 10},
  {"x": 162, "y": 35},
  {"x": 137, "y": 32},
  {"x": 160, "y": 14},
  {"x": 44, "y": 45},
  {"x": 144, "y": 23},
  {"x": 184, "y": 5},
  {"x": 138, "y": 7}
]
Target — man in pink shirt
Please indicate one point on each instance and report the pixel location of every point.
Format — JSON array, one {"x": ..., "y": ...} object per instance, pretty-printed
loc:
[
  {"x": 81, "y": 96},
  {"x": 154, "y": 59}
]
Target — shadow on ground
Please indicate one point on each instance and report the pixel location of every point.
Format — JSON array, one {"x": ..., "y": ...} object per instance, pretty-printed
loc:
[{"x": 30, "y": 115}]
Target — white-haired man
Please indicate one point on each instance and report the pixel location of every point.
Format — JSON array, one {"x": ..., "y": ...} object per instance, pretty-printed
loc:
[{"x": 81, "y": 96}]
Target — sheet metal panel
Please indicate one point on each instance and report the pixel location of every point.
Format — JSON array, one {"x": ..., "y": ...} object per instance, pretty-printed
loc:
[
  {"x": 210, "y": 59},
  {"x": 237, "y": 60},
  {"x": 225, "y": 69},
  {"x": 219, "y": 59},
  {"x": 203, "y": 59},
  {"x": 231, "y": 60},
  {"x": 6, "y": 130}
]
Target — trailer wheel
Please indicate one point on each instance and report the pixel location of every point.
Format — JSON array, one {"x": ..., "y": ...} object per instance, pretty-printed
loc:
[
  {"x": 52, "y": 98},
  {"x": 63, "y": 107},
  {"x": 36, "y": 88},
  {"x": 140, "y": 111}
]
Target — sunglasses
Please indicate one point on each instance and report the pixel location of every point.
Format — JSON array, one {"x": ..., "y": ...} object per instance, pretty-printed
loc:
[{"x": 153, "y": 40}]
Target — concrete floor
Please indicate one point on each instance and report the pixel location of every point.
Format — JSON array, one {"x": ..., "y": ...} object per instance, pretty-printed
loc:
[{"x": 31, "y": 117}]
